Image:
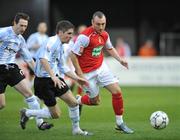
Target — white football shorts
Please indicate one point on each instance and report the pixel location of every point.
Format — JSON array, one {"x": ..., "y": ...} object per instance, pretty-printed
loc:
[{"x": 99, "y": 78}]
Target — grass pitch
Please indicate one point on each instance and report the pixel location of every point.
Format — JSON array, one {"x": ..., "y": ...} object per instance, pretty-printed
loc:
[{"x": 139, "y": 103}]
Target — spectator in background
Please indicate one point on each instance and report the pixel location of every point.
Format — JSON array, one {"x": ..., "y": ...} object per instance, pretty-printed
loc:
[
  {"x": 123, "y": 47},
  {"x": 35, "y": 40},
  {"x": 79, "y": 30},
  {"x": 147, "y": 49}
]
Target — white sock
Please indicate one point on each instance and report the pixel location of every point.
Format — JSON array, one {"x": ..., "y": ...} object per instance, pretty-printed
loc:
[
  {"x": 40, "y": 113},
  {"x": 119, "y": 119},
  {"x": 34, "y": 104},
  {"x": 74, "y": 115},
  {"x": 39, "y": 121},
  {"x": 78, "y": 98}
]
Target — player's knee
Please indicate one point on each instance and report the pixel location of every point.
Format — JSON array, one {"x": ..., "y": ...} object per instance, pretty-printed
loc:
[
  {"x": 95, "y": 101},
  {"x": 117, "y": 95},
  {"x": 56, "y": 115},
  {"x": 28, "y": 94},
  {"x": 115, "y": 89},
  {"x": 73, "y": 104}
]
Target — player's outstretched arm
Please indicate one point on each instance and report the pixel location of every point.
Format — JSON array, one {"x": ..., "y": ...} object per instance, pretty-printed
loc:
[
  {"x": 114, "y": 54},
  {"x": 48, "y": 69},
  {"x": 79, "y": 80},
  {"x": 76, "y": 64}
]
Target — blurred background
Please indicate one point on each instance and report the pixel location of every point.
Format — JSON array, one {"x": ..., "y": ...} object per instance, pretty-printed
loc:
[{"x": 136, "y": 27}]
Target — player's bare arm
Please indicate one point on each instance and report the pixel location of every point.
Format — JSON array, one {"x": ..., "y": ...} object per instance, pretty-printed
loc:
[
  {"x": 78, "y": 79},
  {"x": 55, "y": 79},
  {"x": 114, "y": 54},
  {"x": 76, "y": 64}
]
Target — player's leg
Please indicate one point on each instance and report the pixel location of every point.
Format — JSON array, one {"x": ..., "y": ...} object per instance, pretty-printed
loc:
[
  {"x": 117, "y": 102},
  {"x": 79, "y": 94},
  {"x": 31, "y": 76},
  {"x": 110, "y": 82},
  {"x": 91, "y": 97},
  {"x": 28, "y": 73},
  {"x": 70, "y": 100},
  {"x": 45, "y": 90},
  {"x": 33, "y": 104},
  {"x": 46, "y": 112},
  {"x": 79, "y": 91},
  {"x": 19, "y": 82},
  {"x": 69, "y": 82},
  {"x": 2, "y": 101},
  {"x": 3, "y": 85},
  {"x": 66, "y": 95}
]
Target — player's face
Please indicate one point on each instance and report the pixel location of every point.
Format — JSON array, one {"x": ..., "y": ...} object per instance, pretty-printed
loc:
[
  {"x": 66, "y": 36},
  {"x": 99, "y": 24},
  {"x": 81, "y": 29},
  {"x": 42, "y": 28},
  {"x": 21, "y": 26}
]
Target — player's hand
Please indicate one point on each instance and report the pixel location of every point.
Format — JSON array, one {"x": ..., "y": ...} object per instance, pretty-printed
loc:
[
  {"x": 124, "y": 63},
  {"x": 58, "y": 82},
  {"x": 82, "y": 81},
  {"x": 81, "y": 75}
]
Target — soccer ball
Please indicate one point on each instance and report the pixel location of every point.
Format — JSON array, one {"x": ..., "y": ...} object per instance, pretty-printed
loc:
[{"x": 159, "y": 120}]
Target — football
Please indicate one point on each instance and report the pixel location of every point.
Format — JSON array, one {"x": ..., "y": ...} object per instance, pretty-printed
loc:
[{"x": 159, "y": 120}]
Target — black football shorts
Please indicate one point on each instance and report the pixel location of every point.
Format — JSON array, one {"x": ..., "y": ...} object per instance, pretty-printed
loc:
[{"x": 45, "y": 90}]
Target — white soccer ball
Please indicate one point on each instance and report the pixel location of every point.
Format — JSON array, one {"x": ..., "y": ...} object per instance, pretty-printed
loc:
[{"x": 159, "y": 120}]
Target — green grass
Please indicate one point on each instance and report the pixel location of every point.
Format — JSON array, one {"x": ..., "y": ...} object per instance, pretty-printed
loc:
[{"x": 139, "y": 103}]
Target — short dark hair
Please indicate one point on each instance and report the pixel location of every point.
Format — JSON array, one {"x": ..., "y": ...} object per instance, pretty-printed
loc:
[
  {"x": 98, "y": 14},
  {"x": 21, "y": 15},
  {"x": 64, "y": 25}
]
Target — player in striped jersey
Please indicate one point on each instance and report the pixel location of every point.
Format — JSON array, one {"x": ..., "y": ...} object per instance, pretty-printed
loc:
[
  {"x": 48, "y": 85},
  {"x": 12, "y": 42}
]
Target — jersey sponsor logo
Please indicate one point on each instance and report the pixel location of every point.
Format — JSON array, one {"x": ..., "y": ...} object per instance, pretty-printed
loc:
[
  {"x": 10, "y": 49},
  {"x": 97, "y": 51}
]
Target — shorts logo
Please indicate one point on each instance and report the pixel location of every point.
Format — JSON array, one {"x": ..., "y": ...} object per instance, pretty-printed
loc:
[{"x": 21, "y": 72}]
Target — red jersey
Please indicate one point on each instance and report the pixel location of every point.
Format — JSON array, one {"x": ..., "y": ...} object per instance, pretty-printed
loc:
[{"x": 92, "y": 56}]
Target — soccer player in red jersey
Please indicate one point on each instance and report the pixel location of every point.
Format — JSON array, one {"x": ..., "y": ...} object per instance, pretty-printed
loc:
[{"x": 88, "y": 49}]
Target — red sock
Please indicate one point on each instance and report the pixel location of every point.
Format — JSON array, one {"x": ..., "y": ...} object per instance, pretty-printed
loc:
[
  {"x": 79, "y": 91},
  {"x": 117, "y": 102},
  {"x": 85, "y": 100}
]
